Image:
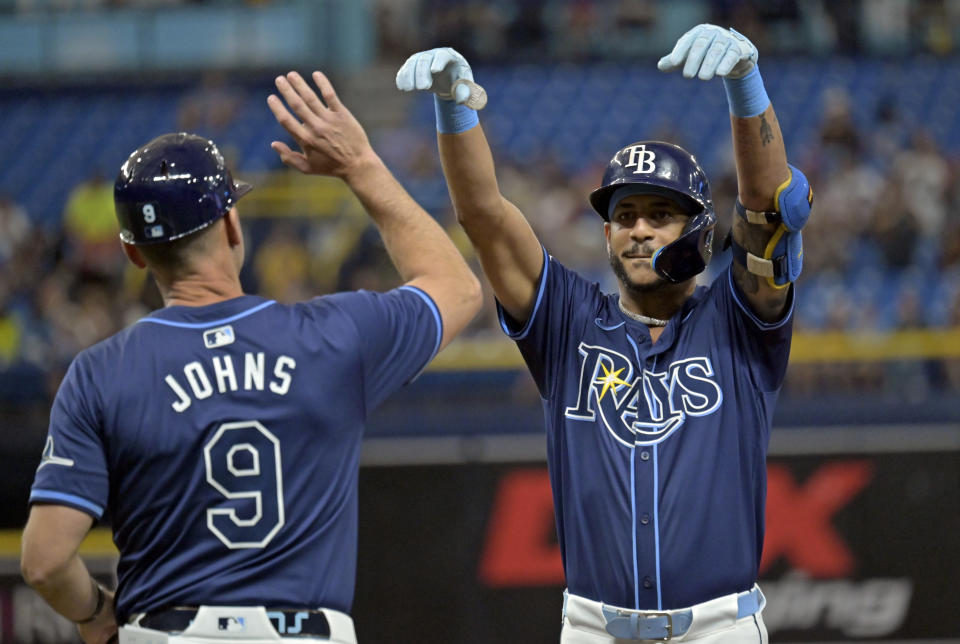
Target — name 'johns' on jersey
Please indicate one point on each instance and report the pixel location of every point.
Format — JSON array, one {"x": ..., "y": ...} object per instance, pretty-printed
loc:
[
  {"x": 607, "y": 384},
  {"x": 199, "y": 383},
  {"x": 233, "y": 461}
]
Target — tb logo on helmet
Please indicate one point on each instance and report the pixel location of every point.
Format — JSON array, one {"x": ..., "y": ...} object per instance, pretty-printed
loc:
[{"x": 642, "y": 158}]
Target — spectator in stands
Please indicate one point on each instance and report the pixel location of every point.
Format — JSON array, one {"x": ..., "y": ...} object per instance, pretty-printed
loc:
[
  {"x": 15, "y": 228},
  {"x": 211, "y": 108},
  {"x": 10, "y": 332},
  {"x": 576, "y": 29},
  {"x": 888, "y": 134},
  {"x": 950, "y": 244},
  {"x": 54, "y": 306},
  {"x": 527, "y": 33},
  {"x": 282, "y": 265},
  {"x": 951, "y": 366},
  {"x": 368, "y": 266},
  {"x": 398, "y": 24},
  {"x": 922, "y": 173},
  {"x": 838, "y": 130},
  {"x": 894, "y": 230},
  {"x": 91, "y": 229}
]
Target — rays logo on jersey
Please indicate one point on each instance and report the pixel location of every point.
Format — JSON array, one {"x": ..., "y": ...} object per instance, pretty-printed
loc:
[{"x": 643, "y": 408}]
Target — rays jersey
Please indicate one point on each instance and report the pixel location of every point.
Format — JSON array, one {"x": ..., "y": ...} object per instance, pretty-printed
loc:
[
  {"x": 223, "y": 443},
  {"x": 656, "y": 451}
]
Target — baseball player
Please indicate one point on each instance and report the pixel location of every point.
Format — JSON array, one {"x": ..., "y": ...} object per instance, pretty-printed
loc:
[
  {"x": 221, "y": 434},
  {"x": 658, "y": 399}
]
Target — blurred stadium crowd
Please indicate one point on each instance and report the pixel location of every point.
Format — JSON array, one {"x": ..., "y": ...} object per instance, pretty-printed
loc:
[
  {"x": 882, "y": 250},
  {"x": 580, "y": 30}
]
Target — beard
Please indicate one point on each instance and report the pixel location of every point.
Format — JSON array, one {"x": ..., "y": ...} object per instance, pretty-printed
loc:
[{"x": 621, "y": 272}]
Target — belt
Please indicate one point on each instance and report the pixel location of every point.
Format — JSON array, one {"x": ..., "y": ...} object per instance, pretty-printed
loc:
[
  {"x": 663, "y": 625},
  {"x": 286, "y": 621}
]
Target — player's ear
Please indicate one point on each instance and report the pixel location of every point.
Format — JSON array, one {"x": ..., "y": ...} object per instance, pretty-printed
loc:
[
  {"x": 133, "y": 254},
  {"x": 234, "y": 232},
  {"x": 606, "y": 233}
]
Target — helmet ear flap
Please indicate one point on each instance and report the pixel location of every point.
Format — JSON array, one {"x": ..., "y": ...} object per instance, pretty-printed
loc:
[{"x": 690, "y": 253}]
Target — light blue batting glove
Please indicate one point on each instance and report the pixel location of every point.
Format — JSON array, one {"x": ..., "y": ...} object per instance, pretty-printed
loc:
[
  {"x": 445, "y": 73},
  {"x": 708, "y": 50},
  {"x": 436, "y": 70}
]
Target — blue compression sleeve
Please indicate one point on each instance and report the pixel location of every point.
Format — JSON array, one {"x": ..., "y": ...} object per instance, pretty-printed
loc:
[
  {"x": 746, "y": 96},
  {"x": 453, "y": 118}
]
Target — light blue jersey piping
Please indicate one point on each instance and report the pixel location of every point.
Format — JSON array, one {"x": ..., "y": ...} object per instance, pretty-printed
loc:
[
  {"x": 753, "y": 316},
  {"x": 520, "y": 335},
  {"x": 204, "y": 325},
  {"x": 51, "y": 495},
  {"x": 433, "y": 309},
  {"x": 633, "y": 496},
  {"x": 656, "y": 512},
  {"x": 633, "y": 522},
  {"x": 656, "y": 521}
]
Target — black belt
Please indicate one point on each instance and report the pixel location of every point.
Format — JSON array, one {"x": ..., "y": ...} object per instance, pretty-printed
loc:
[{"x": 289, "y": 622}]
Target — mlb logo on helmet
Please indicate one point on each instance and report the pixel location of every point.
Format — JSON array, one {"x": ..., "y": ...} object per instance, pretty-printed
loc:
[
  {"x": 231, "y": 624},
  {"x": 218, "y": 337},
  {"x": 154, "y": 232}
]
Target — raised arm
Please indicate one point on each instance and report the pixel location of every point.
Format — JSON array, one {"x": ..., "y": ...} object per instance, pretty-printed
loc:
[
  {"x": 761, "y": 169},
  {"x": 508, "y": 249},
  {"x": 333, "y": 143},
  {"x": 774, "y": 199}
]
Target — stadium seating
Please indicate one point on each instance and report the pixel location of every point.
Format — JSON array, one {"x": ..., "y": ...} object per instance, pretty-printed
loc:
[{"x": 575, "y": 115}]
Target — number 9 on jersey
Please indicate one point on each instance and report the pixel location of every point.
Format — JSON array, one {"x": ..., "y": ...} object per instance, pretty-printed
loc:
[{"x": 243, "y": 464}]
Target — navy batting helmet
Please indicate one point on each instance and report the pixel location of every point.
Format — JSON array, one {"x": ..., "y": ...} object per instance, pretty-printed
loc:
[
  {"x": 655, "y": 167},
  {"x": 173, "y": 186}
]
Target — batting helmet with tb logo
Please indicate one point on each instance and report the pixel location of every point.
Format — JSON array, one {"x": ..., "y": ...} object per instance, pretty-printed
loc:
[{"x": 655, "y": 167}]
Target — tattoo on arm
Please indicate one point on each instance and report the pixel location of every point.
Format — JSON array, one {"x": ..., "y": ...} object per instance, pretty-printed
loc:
[
  {"x": 766, "y": 132},
  {"x": 749, "y": 283},
  {"x": 767, "y": 303}
]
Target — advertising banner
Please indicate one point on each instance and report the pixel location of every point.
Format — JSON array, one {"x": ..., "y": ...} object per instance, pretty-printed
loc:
[{"x": 859, "y": 547}]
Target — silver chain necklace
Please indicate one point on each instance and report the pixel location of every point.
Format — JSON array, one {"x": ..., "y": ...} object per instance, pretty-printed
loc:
[{"x": 649, "y": 321}]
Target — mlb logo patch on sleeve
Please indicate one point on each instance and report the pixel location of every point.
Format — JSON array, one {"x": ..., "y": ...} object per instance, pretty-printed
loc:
[{"x": 218, "y": 337}]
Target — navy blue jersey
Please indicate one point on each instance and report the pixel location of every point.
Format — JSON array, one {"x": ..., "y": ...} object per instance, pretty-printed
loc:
[
  {"x": 223, "y": 442},
  {"x": 656, "y": 451}
]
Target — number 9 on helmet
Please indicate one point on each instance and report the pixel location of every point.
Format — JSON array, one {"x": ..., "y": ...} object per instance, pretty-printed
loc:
[{"x": 171, "y": 187}]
